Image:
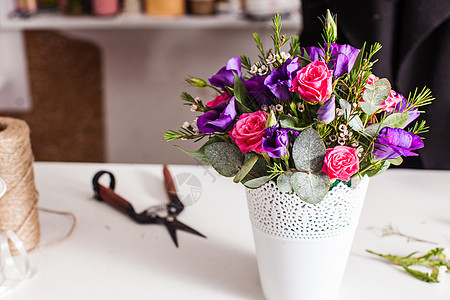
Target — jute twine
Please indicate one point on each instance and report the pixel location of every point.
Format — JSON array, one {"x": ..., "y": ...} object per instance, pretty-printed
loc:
[{"x": 19, "y": 206}]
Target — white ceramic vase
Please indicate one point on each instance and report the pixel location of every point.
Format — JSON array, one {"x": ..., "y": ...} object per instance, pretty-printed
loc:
[{"x": 302, "y": 249}]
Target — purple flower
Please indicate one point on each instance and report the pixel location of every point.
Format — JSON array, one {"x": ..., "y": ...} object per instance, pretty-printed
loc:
[
  {"x": 257, "y": 90},
  {"x": 218, "y": 119},
  {"x": 403, "y": 106},
  {"x": 275, "y": 141},
  {"x": 342, "y": 57},
  {"x": 280, "y": 80},
  {"x": 225, "y": 76},
  {"x": 327, "y": 111},
  {"x": 393, "y": 142}
]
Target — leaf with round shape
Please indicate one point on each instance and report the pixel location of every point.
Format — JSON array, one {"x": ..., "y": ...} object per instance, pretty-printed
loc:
[
  {"x": 308, "y": 151},
  {"x": 310, "y": 187},
  {"x": 225, "y": 158}
]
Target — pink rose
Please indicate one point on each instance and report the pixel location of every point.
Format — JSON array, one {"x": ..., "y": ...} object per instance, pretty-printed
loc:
[
  {"x": 389, "y": 104},
  {"x": 219, "y": 99},
  {"x": 340, "y": 162},
  {"x": 249, "y": 130},
  {"x": 313, "y": 82}
]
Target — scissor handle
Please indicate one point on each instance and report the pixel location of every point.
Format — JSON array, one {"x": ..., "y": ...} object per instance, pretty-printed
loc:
[
  {"x": 96, "y": 184},
  {"x": 108, "y": 195}
]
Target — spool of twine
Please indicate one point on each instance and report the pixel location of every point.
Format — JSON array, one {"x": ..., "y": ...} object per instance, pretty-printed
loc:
[{"x": 19, "y": 206}]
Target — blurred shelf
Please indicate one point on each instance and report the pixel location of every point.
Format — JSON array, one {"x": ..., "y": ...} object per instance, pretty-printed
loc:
[{"x": 62, "y": 22}]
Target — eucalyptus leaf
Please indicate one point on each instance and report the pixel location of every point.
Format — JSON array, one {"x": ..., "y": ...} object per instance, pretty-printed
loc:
[
  {"x": 200, "y": 153},
  {"x": 368, "y": 108},
  {"x": 225, "y": 158},
  {"x": 377, "y": 92},
  {"x": 372, "y": 130},
  {"x": 257, "y": 182},
  {"x": 310, "y": 187},
  {"x": 284, "y": 183},
  {"x": 308, "y": 151},
  {"x": 356, "y": 124},
  {"x": 246, "y": 167},
  {"x": 347, "y": 107},
  {"x": 397, "y": 120},
  {"x": 379, "y": 170},
  {"x": 396, "y": 161}
]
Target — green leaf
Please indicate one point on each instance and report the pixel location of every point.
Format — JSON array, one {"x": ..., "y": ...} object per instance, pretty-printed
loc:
[
  {"x": 257, "y": 182},
  {"x": 357, "y": 65},
  {"x": 397, "y": 120},
  {"x": 310, "y": 187},
  {"x": 356, "y": 124},
  {"x": 225, "y": 158},
  {"x": 346, "y": 107},
  {"x": 308, "y": 151},
  {"x": 420, "y": 275},
  {"x": 396, "y": 161},
  {"x": 246, "y": 167},
  {"x": 292, "y": 123},
  {"x": 368, "y": 108},
  {"x": 372, "y": 130},
  {"x": 379, "y": 169},
  {"x": 375, "y": 94},
  {"x": 240, "y": 94},
  {"x": 200, "y": 153},
  {"x": 284, "y": 183}
]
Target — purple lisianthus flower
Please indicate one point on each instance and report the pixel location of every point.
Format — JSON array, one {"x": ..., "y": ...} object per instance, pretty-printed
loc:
[
  {"x": 218, "y": 119},
  {"x": 257, "y": 90},
  {"x": 403, "y": 106},
  {"x": 280, "y": 80},
  {"x": 275, "y": 141},
  {"x": 342, "y": 57},
  {"x": 393, "y": 142},
  {"x": 225, "y": 76},
  {"x": 327, "y": 111}
]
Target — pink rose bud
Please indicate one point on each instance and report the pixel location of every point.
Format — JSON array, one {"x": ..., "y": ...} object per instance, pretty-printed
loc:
[
  {"x": 219, "y": 99},
  {"x": 340, "y": 162},
  {"x": 393, "y": 99},
  {"x": 313, "y": 82}
]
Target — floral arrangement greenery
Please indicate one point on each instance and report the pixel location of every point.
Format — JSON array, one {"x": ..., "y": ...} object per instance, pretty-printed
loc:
[
  {"x": 437, "y": 260},
  {"x": 306, "y": 117}
]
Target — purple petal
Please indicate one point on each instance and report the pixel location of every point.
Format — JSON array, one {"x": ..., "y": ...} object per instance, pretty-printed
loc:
[
  {"x": 257, "y": 90},
  {"x": 219, "y": 119},
  {"x": 327, "y": 111},
  {"x": 225, "y": 76}
]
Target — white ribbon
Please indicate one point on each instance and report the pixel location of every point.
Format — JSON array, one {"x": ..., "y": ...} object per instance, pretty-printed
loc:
[{"x": 12, "y": 270}]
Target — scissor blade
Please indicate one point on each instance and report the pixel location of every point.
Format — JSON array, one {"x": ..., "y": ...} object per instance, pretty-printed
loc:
[
  {"x": 172, "y": 231},
  {"x": 181, "y": 226}
]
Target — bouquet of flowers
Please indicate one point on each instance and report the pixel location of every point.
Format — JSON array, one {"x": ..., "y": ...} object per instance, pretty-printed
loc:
[{"x": 305, "y": 117}]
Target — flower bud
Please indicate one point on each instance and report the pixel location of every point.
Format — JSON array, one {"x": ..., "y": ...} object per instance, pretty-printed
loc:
[
  {"x": 330, "y": 27},
  {"x": 271, "y": 120},
  {"x": 197, "y": 82}
]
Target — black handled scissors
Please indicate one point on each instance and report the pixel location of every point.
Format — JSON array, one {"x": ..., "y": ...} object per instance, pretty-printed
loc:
[{"x": 150, "y": 215}]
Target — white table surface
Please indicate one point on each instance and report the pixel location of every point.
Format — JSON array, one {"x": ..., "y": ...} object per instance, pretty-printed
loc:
[{"x": 108, "y": 256}]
